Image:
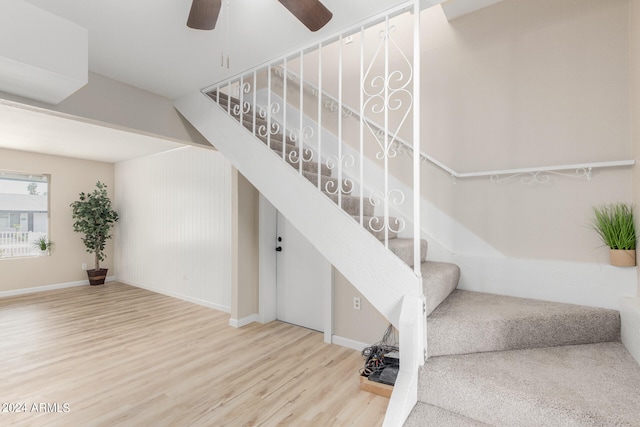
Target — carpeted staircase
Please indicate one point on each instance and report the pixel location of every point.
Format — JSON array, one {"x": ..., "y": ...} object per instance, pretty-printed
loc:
[
  {"x": 497, "y": 360},
  {"x": 504, "y": 361}
]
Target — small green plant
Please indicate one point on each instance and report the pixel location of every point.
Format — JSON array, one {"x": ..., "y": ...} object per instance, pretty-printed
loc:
[
  {"x": 614, "y": 224},
  {"x": 43, "y": 244},
  {"x": 94, "y": 218}
]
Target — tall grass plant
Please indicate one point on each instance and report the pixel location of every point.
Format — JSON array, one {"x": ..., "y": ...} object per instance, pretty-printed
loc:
[{"x": 614, "y": 224}]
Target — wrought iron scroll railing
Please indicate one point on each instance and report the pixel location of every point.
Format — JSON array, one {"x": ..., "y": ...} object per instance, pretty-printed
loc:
[{"x": 374, "y": 65}]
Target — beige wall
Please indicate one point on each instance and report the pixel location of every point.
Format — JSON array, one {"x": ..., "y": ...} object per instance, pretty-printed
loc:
[
  {"x": 110, "y": 101},
  {"x": 521, "y": 84},
  {"x": 366, "y": 325},
  {"x": 634, "y": 56},
  {"x": 245, "y": 294},
  {"x": 68, "y": 178}
]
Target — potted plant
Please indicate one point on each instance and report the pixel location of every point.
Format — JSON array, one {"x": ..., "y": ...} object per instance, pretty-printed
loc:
[
  {"x": 94, "y": 217},
  {"x": 614, "y": 224},
  {"x": 43, "y": 245}
]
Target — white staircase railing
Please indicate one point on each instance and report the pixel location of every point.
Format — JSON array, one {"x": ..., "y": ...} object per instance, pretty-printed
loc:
[
  {"x": 372, "y": 66},
  {"x": 376, "y": 66}
]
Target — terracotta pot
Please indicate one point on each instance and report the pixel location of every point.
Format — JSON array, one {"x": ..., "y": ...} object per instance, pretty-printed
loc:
[
  {"x": 622, "y": 257},
  {"x": 96, "y": 277}
]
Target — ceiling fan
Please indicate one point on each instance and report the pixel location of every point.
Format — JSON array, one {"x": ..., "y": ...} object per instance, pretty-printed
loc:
[{"x": 312, "y": 13}]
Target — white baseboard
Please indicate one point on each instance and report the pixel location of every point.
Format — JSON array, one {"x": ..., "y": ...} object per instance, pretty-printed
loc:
[
  {"x": 239, "y": 323},
  {"x": 349, "y": 343},
  {"x": 35, "y": 289},
  {"x": 183, "y": 297}
]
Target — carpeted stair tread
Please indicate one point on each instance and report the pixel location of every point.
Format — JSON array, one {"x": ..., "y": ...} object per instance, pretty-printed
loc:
[
  {"x": 374, "y": 222},
  {"x": 439, "y": 280},
  {"x": 221, "y": 96},
  {"x": 424, "y": 414},
  {"x": 403, "y": 248},
  {"x": 327, "y": 182},
  {"x": 273, "y": 138},
  {"x": 582, "y": 385},
  {"x": 470, "y": 322},
  {"x": 247, "y": 121},
  {"x": 313, "y": 176},
  {"x": 223, "y": 99},
  {"x": 292, "y": 151},
  {"x": 351, "y": 204},
  {"x": 261, "y": 129},
  {"x": 311, "y": 166}
]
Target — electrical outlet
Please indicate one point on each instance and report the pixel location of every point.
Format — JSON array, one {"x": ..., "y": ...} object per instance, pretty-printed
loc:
[
  {"x": 84, "y": 265},
  {"x": 356, "y": 303}
]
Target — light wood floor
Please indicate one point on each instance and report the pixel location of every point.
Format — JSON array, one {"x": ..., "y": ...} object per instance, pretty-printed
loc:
[{"x": 119, "y": 355}]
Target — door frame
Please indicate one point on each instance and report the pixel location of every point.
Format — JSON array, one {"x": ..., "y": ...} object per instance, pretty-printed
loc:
[{"x": 267, "y": 287}]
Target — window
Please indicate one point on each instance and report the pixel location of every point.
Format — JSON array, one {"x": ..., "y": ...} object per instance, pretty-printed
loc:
[{"x": 24, "y": 213}]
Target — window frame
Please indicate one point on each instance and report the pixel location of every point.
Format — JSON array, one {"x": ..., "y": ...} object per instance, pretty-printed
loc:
[{"x": 22, "y": 244}]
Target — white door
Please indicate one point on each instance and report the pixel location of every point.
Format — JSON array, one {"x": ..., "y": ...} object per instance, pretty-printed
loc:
[{"x": 303, "y": 279}]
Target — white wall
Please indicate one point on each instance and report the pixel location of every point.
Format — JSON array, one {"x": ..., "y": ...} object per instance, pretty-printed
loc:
[
  {"x": 174, "y": 234},
  {"x": 122, "y": 105}
]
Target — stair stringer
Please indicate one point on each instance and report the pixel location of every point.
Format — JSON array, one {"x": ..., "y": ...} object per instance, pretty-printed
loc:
[{"x": 374, "y": 270}]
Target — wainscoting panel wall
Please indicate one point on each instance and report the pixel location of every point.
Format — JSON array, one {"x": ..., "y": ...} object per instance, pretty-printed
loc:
[{"x": 174, "y": 234}]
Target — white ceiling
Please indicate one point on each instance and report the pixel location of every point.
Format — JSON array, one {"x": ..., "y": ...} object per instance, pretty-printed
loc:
[
  {"x": 36, "y": 130},
  {"x": 147, "y": 44}
]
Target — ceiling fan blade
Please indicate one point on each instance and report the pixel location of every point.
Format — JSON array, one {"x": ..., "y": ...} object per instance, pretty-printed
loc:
[
  {"x": 313, "y": 14},
  {"x": 204, "y": 14}
]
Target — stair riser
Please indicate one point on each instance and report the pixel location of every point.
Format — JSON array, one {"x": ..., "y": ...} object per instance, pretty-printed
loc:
[
  {"x": 583, "y": 385},
  {"x": 262, "y": 124},
  {"x": 424, "y": 414},
  {"x": 530, "y": 334},
  {"x": 405, "y": 252},
  {"x": 274, "y": 137},
  {"x": 351, "y": 205},
  {"x": 291, "y": 151},
  {"x": 439, "y": 280},
  {"x": 311, "y": 167},
  {"x": 327, "y": 182},
  {"x": 223, "y": 100},
  {"x": 372, "y": 224},
  {"x": 447, "y": 394},
  {"x": 514, "y": 323}
]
